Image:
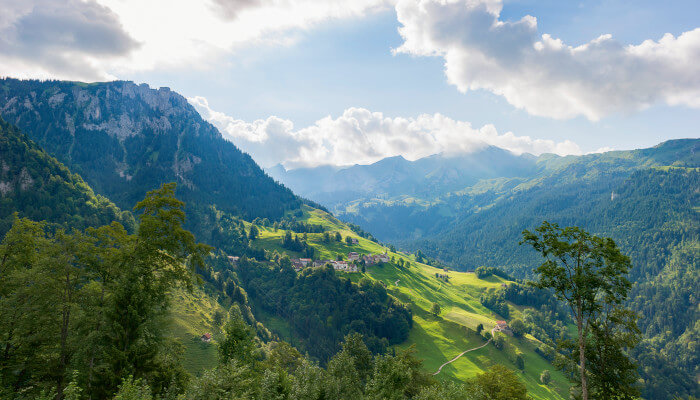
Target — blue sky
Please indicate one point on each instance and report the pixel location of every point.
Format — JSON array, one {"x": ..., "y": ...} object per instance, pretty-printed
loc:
[{"x": 328, "y": 66}]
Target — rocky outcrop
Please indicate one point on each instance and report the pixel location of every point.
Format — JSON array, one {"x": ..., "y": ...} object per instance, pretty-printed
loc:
[{"x": 125, "y": 139}]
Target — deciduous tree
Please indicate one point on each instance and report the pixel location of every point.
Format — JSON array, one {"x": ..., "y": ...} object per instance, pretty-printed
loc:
[{"x": 586, "y": 272}]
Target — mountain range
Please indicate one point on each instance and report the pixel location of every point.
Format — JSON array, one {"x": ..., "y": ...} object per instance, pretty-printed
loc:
[
  {"x": 647, "y": 200},
  {"x": 76, "y": 155},
  {"x": 400, "y": 200}
]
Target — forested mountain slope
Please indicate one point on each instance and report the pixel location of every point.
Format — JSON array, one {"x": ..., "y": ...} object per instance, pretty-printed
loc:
[
  {"x": 648, "y": 201},
  {"x": 625, "y": 195},
  {"x": 36, "y": 186},
  {"x": 125, "y": 139}
]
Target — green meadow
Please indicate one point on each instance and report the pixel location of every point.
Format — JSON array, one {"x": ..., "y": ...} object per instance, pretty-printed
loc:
[{"x": 435, "y": 339}]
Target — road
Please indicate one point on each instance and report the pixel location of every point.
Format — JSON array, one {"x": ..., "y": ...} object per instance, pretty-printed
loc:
[{"x": 465, "y": 352}]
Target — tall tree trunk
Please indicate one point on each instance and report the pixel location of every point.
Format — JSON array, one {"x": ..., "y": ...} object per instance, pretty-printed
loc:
[
  {"x": 64, "y": 335},
  {"x": 97, "y": 331},
  {"x": 582, "y": 360}
]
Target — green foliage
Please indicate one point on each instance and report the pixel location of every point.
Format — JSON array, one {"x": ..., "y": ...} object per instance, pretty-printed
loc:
[
  {"x": 231, "y": 380},
  {"x": 397, "y": 377},
  {"x": 97, "y": 301},
  {"x": 238, "y": 345},
  {"x": 518, "y": 327},
  {"x": 498, "y": 383},
  {"x": 498, "y": 341},
  {"x": 484, "y": 272},
  {"x": 131, "y": 389},
  {"x": 495, "y": 301},
  {"x": 253, "y": 233},
  {"x": 352, "y": 373},
  {"x": 519, "y": 362},
  {"x": 321, "y": 307},
  {"x": 545, "y": 377},
  {"x": 38, "y": 187},
  {"x": 588, "y": 273},
  {"x": 448, "y": 390},
  {"x": 435, "y": 309},
  {"x": 545, "y": 320},
  {"x": 293, "y": 243}
]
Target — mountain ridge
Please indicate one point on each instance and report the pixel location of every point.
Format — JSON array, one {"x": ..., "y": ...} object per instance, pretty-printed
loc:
[{"x": 125, "y": 139}]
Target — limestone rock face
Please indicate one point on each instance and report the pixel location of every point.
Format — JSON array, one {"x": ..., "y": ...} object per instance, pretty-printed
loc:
[{"x": 125, "y": 139}]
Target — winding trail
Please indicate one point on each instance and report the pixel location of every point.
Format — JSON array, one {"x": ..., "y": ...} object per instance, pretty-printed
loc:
[{"x": 465, "y": 352}]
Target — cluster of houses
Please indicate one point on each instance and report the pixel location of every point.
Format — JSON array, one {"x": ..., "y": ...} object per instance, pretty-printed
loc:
[
  {"x": 347, "y": 266},
  {"x": 369, "y": 259},
  {"x": 300, "y": 263}
]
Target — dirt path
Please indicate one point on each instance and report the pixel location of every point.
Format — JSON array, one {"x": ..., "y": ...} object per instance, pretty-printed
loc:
[
  {"x": 397, "y": 282},
  {"x": 465, "y": 352}
]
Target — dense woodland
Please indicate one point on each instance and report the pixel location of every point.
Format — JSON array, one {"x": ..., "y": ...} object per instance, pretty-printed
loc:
[
  {"x": 321, "y": 308},
  {"x": 38, "y": 187},
  {"x": 81, "y": 316}
]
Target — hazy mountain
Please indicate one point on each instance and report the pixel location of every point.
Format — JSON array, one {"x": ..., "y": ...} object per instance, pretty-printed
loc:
[
  {"x": 425, "y": 178},
  {"x": 623, "y": 194}
]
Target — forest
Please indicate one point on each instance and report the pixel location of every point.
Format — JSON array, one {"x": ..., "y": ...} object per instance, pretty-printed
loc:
[{"x": 81, "y": 316}]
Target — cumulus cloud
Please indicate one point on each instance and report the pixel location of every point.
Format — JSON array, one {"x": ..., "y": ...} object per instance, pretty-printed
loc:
[
  {"x": 540, "y": 73},
  {"x": 71, "y": 39},
  {"x": 100, "y": 39},
  {"x": 362, "y": 136}
]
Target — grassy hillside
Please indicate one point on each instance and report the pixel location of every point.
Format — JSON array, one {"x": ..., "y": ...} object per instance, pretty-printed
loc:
[
  {"x": 436, "y": 339},
  {"x": 192, "y": 315},
  {"x": 439, "y": 339}
]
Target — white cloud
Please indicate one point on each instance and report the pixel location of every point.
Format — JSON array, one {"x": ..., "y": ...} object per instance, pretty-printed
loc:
[
  {"x": 47, "y": 38},
  {"x": 542, "y": 74},
  {"x": 361, "y": 136},
  {"x": 69, "y": 39}
]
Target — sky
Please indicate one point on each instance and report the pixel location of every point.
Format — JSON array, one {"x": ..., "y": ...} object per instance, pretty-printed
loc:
[{"x": 310, "y": 82}]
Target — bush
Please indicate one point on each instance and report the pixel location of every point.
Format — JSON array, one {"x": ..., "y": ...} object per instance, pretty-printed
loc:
[
  {"x": 545, "y": 377},
  {"x": 518, "y": 327},
  {"x": 499, "y": 342},
  {"x": 519, "y": 362}
]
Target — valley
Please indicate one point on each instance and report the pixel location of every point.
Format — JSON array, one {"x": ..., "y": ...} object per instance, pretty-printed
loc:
[{"x": 448, "y": 228}]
